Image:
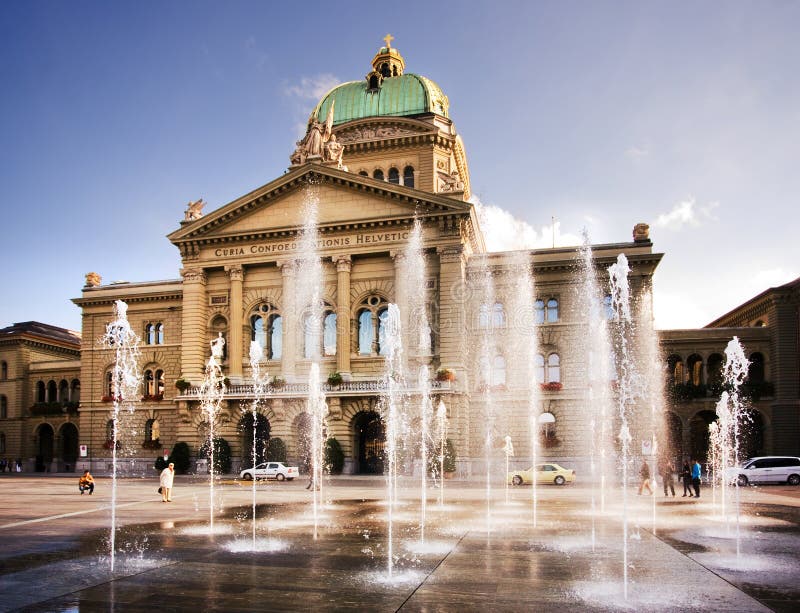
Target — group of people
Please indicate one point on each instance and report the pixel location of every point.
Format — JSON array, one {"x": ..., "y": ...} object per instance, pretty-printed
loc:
[
  {"x": 690, "y": 476},
  {"x": 12, "y": 466}
]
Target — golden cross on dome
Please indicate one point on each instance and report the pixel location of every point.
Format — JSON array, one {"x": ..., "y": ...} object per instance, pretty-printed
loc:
[{"x": 388, "y": 38}]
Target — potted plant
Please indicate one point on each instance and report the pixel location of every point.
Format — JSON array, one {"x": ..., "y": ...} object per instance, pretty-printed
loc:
[
  {"x": 445, "y": 374},
  {"x": 182, "y": 385},
  {"x": 335, "y": 379},
  {"x": 278, "y": 382}
]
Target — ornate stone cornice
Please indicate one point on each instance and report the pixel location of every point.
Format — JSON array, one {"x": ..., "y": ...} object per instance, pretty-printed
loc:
[
  {"x": 194, "y": 275},
  {"x": 344, "y": 263},
  {"x": 235, "y": 272}
]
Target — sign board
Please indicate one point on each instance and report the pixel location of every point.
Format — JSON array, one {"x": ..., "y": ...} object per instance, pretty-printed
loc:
[
  {"x": 647, "y": 447},
  {"x": 83, "y": 450}
]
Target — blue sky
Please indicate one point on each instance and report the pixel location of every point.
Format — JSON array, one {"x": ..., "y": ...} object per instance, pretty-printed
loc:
[{"x": 683, "y": 115}]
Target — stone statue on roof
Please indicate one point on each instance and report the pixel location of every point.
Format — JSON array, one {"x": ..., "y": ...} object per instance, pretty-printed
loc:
[
  {"x": 194, "y": 210},
  {"x": 319, "y": 143}
]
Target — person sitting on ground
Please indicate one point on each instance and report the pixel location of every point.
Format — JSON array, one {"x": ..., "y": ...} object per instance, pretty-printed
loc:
[{"x": 86, "y": 482}]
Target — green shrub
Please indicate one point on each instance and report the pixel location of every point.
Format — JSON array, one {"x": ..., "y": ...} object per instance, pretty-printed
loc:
[
  {"x": 161, "y": 463},
  {"x": 276, "y": 450},
  {"x": 222, "y": 455},
  {"x": 334, "y": 456},
  {"x": 181, "y": 457}
]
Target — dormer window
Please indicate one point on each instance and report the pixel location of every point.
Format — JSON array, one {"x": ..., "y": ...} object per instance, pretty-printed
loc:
[{"x": 373, "y": 82}]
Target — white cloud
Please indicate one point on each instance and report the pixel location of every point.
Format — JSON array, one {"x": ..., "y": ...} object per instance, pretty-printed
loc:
[
  {"x": 312, "y": 88},
  {"x": 686, "y": 213},
  {"x": 637, "y": 152},
  {"x": 504, "y": 232}
]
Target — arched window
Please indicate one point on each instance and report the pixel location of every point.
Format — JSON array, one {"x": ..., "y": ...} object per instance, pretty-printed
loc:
[
  {"x": 714, "y": 368},
  {"x": 373, "y": 82},
  {"x": 394, "y": 176},
  {"x": 538, "y": 366},
  {"x": 378, "y": 174},
  {"x": 63, "y": 391},
  {"x": 325, "y": 337},
  {"x": 371, "y": 317},
  {"x": 3, "y": 407},
  {"x": 366, "y": 332},
  {"x": 547, "y": 427},
  {"x": 498, "y": 370},
  {"x": 538, "y": 312},
  {"x": 483, "y": 317},
  {"x": 755, "y": 372},
  {"x": 553, "y": 368},
  {"x": 159, "y": 334},
  {"x": 110, "y": 430},
  {"x": 694, "y": 366},
  {"x": 675, "y": 370},
  {"x": 151, "y": 431},
  {"x": 408, "y": 176},
  {"x": 109, "y": 384},
  {"x": 329, "y": 333},
  {"x": 266, "y": 328},
  {"x": 383, "y": 321},
  {"x": 4, "y": 370},
  {"x": 552, "y": 310},
  {"x": 150, "y": 334},
  {"x": 41, "y": 395},
  {"x": 363, "y": 173},
  {"x": 149, "y": 383},
  {"x": 52, "y": 391},
  {"x": 498, "y": 316}
]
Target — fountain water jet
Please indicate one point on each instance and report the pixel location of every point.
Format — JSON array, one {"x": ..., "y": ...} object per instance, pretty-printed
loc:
[
  {"x": 211, "y": 395},
  {"x": 628, "y": 383},
  {"x": 730, "y": 412},
  {"x": 599, "y": 375},
  {"x": 259, "y": 390},
  {"x": 393, "y": 384},
  {"x": 125, "y": 381}
]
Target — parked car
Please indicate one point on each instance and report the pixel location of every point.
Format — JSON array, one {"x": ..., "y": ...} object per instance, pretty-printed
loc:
[
  {"x": 545, "y": 473},
  {"x": 270, "y": 470},
  {"x": 766, "y": 469}
]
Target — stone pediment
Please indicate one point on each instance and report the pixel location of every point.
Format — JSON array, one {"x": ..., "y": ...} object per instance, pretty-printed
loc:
[
  {"x": 346, "y": 200},
  {"x": 380, "y": 129}
]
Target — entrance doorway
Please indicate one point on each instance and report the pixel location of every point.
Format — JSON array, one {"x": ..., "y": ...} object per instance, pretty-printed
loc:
[
  {"x": 44, "y": 457},
  {"x": 370, "y": 440},
  {"x": 261, "y": 438},
  {"x": 69, "y": 446}
]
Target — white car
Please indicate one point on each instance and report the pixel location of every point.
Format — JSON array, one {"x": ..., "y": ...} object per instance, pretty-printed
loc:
[
  {"x": 769, "y": 469},
  {"x": 270, "y": 470}
]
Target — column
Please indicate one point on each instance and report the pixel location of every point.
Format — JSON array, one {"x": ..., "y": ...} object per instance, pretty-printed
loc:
[
  {"x": 193, "y": 325},
  {"x": 289, "y": 314},
  {"x": 344, "y": 265},
  {"x": 235, "y": 349}
]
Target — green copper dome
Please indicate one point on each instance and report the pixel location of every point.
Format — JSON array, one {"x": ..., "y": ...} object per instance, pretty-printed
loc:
[{"x": 397, "y": 96}]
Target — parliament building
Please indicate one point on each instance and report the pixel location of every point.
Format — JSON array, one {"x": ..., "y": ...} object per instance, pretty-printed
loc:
[{"x": 380, "y": 153}]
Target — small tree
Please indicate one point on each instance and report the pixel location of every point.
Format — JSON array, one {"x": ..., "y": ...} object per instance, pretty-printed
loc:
[
  {"x": 334, "y": 456},
  {"x": 222, "y": 455},
  {"x": 449, "y": 457},
  {"x": 276, "y": 450}
]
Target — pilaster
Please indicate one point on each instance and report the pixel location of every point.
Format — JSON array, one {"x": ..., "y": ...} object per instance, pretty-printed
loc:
[
  {"x": 344, "y": 265},
  {"x": 193, "y": 324},
  {"x": 289, "y": 314},
  {"x": 235, "y": 349}
]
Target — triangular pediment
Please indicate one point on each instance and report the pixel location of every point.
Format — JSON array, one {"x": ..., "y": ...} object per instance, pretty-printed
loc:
[{"x": 345, "y": 200}]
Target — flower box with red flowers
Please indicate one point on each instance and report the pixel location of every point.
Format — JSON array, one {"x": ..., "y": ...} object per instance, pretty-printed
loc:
[{"x": 553, "y": 386}]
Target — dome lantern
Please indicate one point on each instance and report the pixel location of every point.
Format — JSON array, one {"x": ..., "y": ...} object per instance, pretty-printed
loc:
[{"x": 386, "y": 64}]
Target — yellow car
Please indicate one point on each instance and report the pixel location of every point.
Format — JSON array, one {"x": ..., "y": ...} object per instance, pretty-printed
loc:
[{"x": 545, "y": 473}]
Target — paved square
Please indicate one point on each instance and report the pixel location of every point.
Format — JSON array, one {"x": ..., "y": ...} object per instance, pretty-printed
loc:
[{"x": 54, "y": 549}]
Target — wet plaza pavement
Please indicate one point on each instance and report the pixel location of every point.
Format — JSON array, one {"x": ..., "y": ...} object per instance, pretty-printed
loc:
[{"x": 466, "y": 555}]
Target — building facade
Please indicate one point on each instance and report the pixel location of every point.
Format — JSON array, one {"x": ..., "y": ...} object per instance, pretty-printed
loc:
[{"x": 380, "y": 155}]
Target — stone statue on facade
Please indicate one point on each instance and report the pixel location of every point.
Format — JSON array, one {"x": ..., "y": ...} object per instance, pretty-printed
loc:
[
  {"x": 641, "y": 232},
  {"x": 217, "y": 347},
  {"x": 93, "y": 279},
  {"x": 450, "y": 182},
  {"x": 194, "y": 210},
  {"x": 319, "y": 143}
]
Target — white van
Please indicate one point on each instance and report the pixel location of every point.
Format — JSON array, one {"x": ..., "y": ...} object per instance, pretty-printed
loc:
[{"x": 768, "y": 469}]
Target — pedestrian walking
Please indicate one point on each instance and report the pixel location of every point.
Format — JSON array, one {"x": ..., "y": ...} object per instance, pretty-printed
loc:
[
  {"x": 167, "y": 476},
  {"x": 696, "y": 472},
  {"x": 686, "y": 477},
  {"x": 667, "y": 476},
  {"x": 644, "y": 473}
]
